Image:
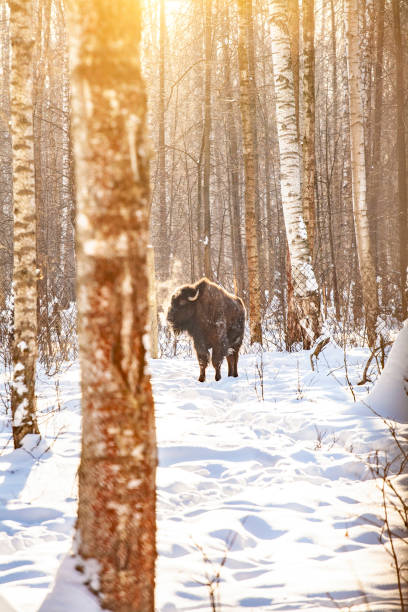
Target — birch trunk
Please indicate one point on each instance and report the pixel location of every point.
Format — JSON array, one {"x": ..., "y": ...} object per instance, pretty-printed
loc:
[
  {"x": 116, "y": 513},
  {"x": 375, "y": 182},
  {"x": 308, "y": 128},
  {"x": 207, "y": 138},
  {"x": 24, "y": 272},
  {"x": 358, "y": 171},
  {"x": 162, "y": 251},
  {"x": 250, "y": 188},
  {"x": 402, "y": 158},
  {"x": 305, "y": 288},
  {"x": 233, "y": 164}
]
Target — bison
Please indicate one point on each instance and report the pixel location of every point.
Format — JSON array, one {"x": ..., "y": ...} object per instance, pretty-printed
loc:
[{"x": 214, "y": 318}]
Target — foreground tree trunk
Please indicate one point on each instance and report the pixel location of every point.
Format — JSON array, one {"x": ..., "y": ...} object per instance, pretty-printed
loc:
[
  {"x": 305, "y": 289},
  {"x": 358, "y": 169},
  {"x": 250, "y": 185},
  {"x": 116, "y": 514},
  {"x": 24, "y": 271}
]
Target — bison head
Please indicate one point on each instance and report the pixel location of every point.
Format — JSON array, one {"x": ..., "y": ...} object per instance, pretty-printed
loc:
[{"x": 182, "y": 308}]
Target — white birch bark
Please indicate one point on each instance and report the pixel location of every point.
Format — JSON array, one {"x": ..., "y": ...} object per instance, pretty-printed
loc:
[
  {"x": 24, "y": 270},
  {"x": 358, "y": 170},
  {"x": 304, "y": 281},
  {"x": 154, "y": 332},
  {"x": 116, "y": 511},
  {"x": 308, "y": 128}
]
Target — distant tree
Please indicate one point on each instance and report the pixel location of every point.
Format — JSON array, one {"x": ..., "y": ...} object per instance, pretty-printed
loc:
[
  {"x": 207, "y": 128},
  {"x": 247, "y": 112},
  {"x": 358, "y": 168},
  {"x": 162, "y": 246},
  {"x": 306, "y": 295},
  {"x": 373, "y": 187},
  {"x": 116, "y": 513},
  {"x": 233, "y": 167},
  {"x": 401, "y": 156},
  {"x": 23, "y": 403},
  {"x": 309, "y": 124}
]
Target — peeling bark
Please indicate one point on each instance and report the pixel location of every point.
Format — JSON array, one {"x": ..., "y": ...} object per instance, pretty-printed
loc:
[
  {"x": 305, "y": 288},
  {"x": 250, "y": 186},
  {"x": 358, "y": 169},
  {"x": 23, "y": 402},
  {"x": 116, "y": 514}
]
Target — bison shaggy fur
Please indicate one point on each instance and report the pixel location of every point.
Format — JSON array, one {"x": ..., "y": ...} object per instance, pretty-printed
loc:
[{"x": 214, "y": 318}]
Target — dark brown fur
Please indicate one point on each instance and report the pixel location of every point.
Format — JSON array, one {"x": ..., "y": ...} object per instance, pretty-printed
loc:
[{"x": 215, "y": 320}]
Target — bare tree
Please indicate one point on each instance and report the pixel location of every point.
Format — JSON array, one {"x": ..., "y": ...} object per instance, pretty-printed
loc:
[
  {"x": 23, "y": 402},
  {"x": 308, "y": 132},
  {"x": 250, "y": 184},
  {"x": 358, "y": 167},
  {"x": 116, "y": 514},
  {"x": 162, "y": 247},
  {"x": 304, "y": 283},
  {"x": 207, "y": 137},
  {"x": 401, "y": 155}
]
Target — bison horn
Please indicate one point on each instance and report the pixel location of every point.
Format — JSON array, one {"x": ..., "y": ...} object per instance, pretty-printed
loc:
[{"x": 194, "y": 297}]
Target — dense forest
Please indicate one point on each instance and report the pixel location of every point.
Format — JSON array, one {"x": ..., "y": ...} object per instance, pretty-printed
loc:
[
  {"x": 213, "y": 68},
  {"x": 259, "y": 143},
  {"x": 221, "y": 78}
]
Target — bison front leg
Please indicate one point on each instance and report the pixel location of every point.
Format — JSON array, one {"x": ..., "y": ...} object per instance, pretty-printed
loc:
[
  {"x": 235, "y": 363},
  {"x": 203, "y": 357}
]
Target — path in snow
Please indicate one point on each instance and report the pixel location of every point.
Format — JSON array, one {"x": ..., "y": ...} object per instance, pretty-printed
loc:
[
  {"x": 278, "y": 482},
  {"x": 281, "y": 483}
]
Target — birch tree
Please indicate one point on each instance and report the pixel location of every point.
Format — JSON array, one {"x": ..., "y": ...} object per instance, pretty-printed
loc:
[
  {"x": 358, "y": 171},
  {"x": 24, "y": 271},
  {"x": 308, "y": 133},
  {"x": 162, "y": 247},
  {"x": 207, "y": 137},
  {"x": 250, "y": 181},
  {"x": 304, "y": 283},
  {"x": 402, "y": 157},
  {"x": 116, "y": 513}
]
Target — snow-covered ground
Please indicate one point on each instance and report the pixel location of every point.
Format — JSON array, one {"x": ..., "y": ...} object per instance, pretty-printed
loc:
[{"x": 263, "y": 481}]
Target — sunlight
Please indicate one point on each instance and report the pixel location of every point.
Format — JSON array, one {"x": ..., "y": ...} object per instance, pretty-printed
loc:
[{"x": 173, "y": 8}]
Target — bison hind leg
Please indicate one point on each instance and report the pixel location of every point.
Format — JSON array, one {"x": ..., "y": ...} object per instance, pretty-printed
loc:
[
  {"x": 232, "y": 359},
  {"x": 217, "y": 358}
]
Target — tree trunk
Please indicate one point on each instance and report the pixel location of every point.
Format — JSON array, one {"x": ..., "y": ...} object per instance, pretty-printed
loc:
[
  {"x": 294, "y": 35},
  {"x": 233, "y": 162},
  {"x": 163, "y": 247},
  {"x": 253, "y": 105},
  {"x": 402, "y": 161},
  {"x": 305, "y": 288},
  {"x": 207, "y": 138},
  {"x": 116, "y": 513},
  {"x": 250, "y": 191},
  {"x": 308, "y": 131},
  {"x": 375, "y": 175},
  {"x": 154, "y": 328},
  {"x": 24, "y": 272},
  {"x": 366, "y": 264}
]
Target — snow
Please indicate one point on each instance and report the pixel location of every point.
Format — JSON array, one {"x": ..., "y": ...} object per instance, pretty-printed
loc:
[
  {"x": 390, "y": 395},
  {"x": 274, "y": 501}
]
